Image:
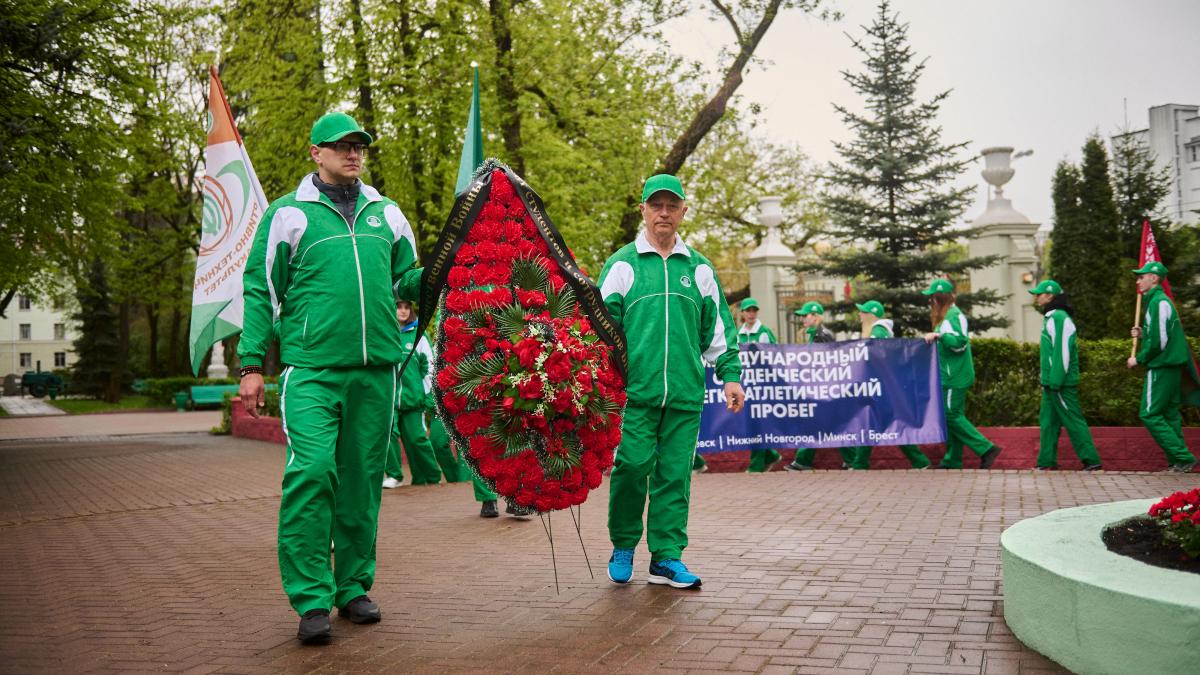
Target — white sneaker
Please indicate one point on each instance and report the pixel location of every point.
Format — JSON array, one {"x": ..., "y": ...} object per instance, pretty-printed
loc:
[{"x": 389, "y": 483}]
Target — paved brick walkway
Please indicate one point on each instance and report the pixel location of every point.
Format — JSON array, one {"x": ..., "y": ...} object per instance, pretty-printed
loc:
[
  {"x": 100, "y": 426},
  {"x": 157, "y": 553}
]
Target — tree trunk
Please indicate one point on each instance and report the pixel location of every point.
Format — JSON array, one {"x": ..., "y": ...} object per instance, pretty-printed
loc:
[
  {"x": 362, "y": 76},
  {"x": 708, "y": 114},
  {"x": 152, "y": 347},
  {"x": 506, "y": 85},
  {"x": 112, "y": 393}
]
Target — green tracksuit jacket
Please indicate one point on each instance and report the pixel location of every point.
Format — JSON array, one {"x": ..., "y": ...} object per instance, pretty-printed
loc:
[
  {"x": 1163, "y": 342},
  {"x": 1059, "y": 356},
  {"x": 954, "y": 351},
  {"x": 756, "y": 333},
  {"x": 332, "y": 287},
  {"x": 1164, "y": 352},
  {"x": 1060, "y": 396},
  {"x": 760, "y": 459}
]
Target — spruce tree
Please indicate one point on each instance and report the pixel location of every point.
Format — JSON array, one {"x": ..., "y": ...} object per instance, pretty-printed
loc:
[
  {"x": 1083, "y": 257},
  {"x": 891, "y": 200},
  {"x": 96, "y": 371}
]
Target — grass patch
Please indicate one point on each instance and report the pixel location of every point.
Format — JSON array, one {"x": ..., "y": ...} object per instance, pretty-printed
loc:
[{"x": 82, "y": 406}]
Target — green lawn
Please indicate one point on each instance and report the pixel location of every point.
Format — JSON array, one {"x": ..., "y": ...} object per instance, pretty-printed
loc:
[{"x": 80, "y": 406}]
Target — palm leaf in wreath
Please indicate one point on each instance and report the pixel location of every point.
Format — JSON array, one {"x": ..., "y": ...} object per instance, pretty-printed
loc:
[
  {"x": 561, "y": 305},
  {"x": 473, "y": 371},
  {"x": 510, "y": 321},
  {"x": 529, "y": 275}
]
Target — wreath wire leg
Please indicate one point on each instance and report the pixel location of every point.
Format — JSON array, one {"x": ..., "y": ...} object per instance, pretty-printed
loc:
[
  {"x": 549, "y": 529},
  {"x": 579, "y": 532}
]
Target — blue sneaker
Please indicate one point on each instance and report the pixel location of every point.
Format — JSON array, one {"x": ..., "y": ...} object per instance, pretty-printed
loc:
[
  {"x": 620, "y": 565},
  {"x": 673, "y": 573}
]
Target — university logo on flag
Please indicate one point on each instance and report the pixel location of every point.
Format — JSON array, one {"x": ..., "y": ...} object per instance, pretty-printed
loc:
[{"x": 233, "y": 205}]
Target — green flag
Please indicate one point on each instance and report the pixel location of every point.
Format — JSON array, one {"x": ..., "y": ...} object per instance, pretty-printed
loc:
[{"x": 472, "y": 152}]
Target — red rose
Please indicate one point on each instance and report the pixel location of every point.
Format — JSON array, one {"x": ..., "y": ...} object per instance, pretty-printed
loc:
[
  {"x": 564, "y": 425},
  {"x": 482, "y": 446},
  {"x": 584, "y": 378},
  {"x": 530, "y": 389},
  {"x": 558, "y": 367},
  {"x": 527, "y": 351}
]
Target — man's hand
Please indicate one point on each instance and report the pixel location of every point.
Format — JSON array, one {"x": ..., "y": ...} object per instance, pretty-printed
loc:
[
  {"x": 251, "y": 391},
  {"x": 735, "y": 398},
  {"x": 1132, "y": 362},
  {"x": 931, "y": 338},
  {"x": 1136, "y": 331}
]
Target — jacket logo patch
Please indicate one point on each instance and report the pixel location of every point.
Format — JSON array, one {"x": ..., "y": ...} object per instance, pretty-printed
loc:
[
  {"x": 686, "y": 281},
  {"x": 374, "y": 221}
]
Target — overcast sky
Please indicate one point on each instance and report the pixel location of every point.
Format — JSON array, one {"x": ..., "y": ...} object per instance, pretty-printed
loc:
[{"x": 1038, "y": 74}]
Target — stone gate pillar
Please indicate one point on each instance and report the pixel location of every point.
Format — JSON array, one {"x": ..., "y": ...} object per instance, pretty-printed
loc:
[{"x": 770, "y": 264}]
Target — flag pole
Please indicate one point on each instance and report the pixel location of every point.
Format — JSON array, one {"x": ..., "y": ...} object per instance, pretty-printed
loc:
[{"x": 1137, "y": 317}]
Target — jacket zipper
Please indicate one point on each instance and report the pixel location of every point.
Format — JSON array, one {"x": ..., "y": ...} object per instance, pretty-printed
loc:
[
  {"x": 362, "y": 300},
  {"x": 666, "y": 329}
]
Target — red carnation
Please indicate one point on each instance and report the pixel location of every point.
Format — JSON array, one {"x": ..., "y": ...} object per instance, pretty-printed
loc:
[
  {"x": 446, "y": 379},
  {"x": 465, "y": 255},
  {"x": 453, "y": 403},
  {"x": 512, "y": 231},
  {"x": 459, "y": 277},
  {"x": 486, "y": 251},
  {"x": 530, "y": 299},
  {"x": 502, "y": 274},
  {"x": 458, "y": 302},
  {"x": 501, "y": 188}
]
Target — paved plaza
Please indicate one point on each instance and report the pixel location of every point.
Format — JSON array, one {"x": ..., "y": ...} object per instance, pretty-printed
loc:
[{"x": 157, "y": 553}]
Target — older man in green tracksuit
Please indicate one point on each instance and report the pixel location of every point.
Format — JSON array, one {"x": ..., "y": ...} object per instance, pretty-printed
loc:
[
  {"x": 1059, "y": 359},
  {"x": 870, "y": 314},
  {"x": 667, "y": 298},
  {"x": 1165, "y": 354},
  {"x": 958, "y": 374},
  {"x": 327, "y": 263},
  {"x": 753, "y": 330}
]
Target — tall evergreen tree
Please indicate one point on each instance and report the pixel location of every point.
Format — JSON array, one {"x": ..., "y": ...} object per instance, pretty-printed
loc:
[
  {"x": 97, "y": 369},
  {"x": 1083, "y": 257},
  {"x": 891, "y": 200}
]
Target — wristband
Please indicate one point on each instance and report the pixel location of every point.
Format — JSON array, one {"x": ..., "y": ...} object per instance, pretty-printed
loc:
[{"x": 246, "y": 370}]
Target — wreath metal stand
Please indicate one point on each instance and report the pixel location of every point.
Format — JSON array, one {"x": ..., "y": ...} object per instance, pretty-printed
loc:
[{"x": 548, "y": 528}]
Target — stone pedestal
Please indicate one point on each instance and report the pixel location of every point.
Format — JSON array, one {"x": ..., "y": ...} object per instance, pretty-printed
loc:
[{"x": 770, "y": 265}]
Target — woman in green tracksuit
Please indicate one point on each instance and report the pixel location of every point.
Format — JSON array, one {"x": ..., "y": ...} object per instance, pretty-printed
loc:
[
  {"x": 753, "y": 330},
  {"x": 1059, "y": 361},
  {"x": 413, "y": 396},
  {"x": 812, "y": 314},
  {"x": 870, "y": 313},
  {"x": 958, "y": 374}
]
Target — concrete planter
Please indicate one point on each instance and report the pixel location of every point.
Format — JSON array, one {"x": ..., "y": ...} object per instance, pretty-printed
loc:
[{"x": 1091, "y": 610}]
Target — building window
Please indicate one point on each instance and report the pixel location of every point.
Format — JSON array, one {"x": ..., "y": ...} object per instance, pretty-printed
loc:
[
  {"x": 60, "y": 331},
  {"x": 23, "y": 303},
  {"x": 26, "y": 331},
  {"x": 1194, "y": 153},
  {"x": 26, "y": 360},
  {"x": 60, "y": 359}
]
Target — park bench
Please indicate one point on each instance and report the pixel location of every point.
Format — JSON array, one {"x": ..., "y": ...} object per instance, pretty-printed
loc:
[{"x": 214, "y": 394}]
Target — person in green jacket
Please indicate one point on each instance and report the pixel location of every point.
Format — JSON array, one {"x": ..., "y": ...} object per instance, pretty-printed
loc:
[
  {"x": 327, "y": 263},
  {"x": 1165, "y": 354},
  {"x": 414, "y": 396},
  {"x": 753, "y": 330},
  {"x": 1059, "y": 361},
  {"x": 667, "y": 299},
  {"x": 874, "y": 326},
  {"x": 812, "y": 317},
  {"x": 958, "y": 374}
]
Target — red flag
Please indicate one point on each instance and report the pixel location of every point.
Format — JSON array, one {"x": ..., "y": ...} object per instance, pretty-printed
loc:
[
  {"x": 848, "y": 290},
  {"x": 1149, "y": 253}
]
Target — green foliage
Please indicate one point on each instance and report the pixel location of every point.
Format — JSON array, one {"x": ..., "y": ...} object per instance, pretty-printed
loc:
[
  {"x": 1007, "y": 389},
  {"x": 529, "y": 275},
  {"x": 472, "y": 371},
  {"x": 97, "y": 370},
  {"x": 892, "y": 200}
]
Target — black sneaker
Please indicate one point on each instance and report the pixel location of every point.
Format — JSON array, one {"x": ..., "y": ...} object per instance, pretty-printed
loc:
[
  {"x": 361, "y": 610},
  {"x": 518, "y": 511},
  {"x": 488, "y": 509},
  {"x": 942, "y": 466},
  {"x": 314, "y": 627},
  {"x": 797, "y": 467},
  {"x": 1185, "y": 467},
  {"x": 1093, "y": 467},
  {"x": 987, "y": 459},
  {"x": 1054, "y": 468}
]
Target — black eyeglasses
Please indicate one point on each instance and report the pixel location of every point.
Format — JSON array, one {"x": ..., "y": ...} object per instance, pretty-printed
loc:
[{"x": 344, "y": 147}]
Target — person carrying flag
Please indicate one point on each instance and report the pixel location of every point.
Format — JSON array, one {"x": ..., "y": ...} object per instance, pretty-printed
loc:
[
  {"x": 1165, "y": 354},
  {"x": 874, "y": 326},
  {"x": 812, "y": 316},
  {"x": 668, "y": 300},
  {"x": 325, "y": 268},
  {"x": 958, "y": 374},
  {"x": 1060, "y": 382},
  {"x": 753, "y": 330}
]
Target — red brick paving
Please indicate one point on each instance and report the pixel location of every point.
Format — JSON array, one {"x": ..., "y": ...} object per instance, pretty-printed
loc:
[{"x": 156, "y": 553}]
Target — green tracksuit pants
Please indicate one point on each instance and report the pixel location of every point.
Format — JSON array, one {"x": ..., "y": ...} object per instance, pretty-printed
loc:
[
  {"x": 805, "y": 456},
  {"x": 761, "y": 460},
  {"x": 862, "y": 457},
  {"x": 655, "y": 460},
  {"x": 337, "y": 423},
  {"x": 959, "y": 430},
  {"x": 409, "y": 432},
  {"x": 1060, "y": 408},
  {"x": 441, "y": 447},
  {"x": 1160, "y": 413}
]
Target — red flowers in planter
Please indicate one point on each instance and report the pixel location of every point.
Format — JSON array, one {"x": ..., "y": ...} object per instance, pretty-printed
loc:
[
  {"x": 1179, "y": 516},
  {"x": 523, "y": 381}
]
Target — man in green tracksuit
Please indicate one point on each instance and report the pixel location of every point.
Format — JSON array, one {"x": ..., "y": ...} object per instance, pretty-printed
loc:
[
  {"x": 327, "y": 262},
  {"x": 812, "y": 316},
  {"x": 870, "y": 313},
  {"x": 1166, "y": 354},
  {"x": 1060, "y": 382},
  {"x": 958, "y": 374},
  {"x": 667, "y": 298},
  {"x": 753, "y": 330},
  {"x": 414, "y": 396}
]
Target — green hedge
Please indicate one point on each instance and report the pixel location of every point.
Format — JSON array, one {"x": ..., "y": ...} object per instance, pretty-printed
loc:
[{"x": 1007, "y": 390}]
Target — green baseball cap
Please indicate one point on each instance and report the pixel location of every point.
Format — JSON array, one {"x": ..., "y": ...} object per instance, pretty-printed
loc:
[
  {"x": 1153, "y": 267},
  {"x": 1047, "y": 286},
  {"x": 871, "y": 307},
  {"x": 939, "y": 286},
  {"x": 810, "y": 307},
  {"x": 335, "y": 126},
  {"x": 749, "y": 303},
  {"x": 660, "y": 182}
]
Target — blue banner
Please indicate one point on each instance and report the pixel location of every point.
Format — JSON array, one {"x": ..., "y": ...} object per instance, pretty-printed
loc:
[{"x": 830, "y": 395}]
